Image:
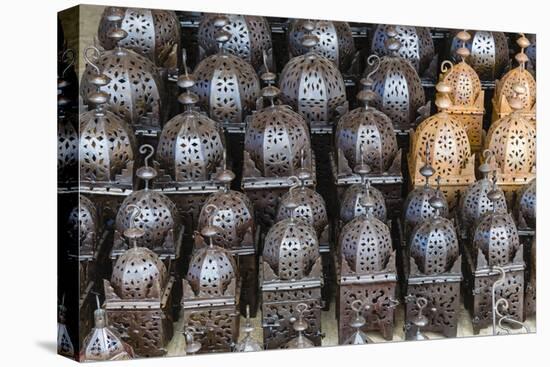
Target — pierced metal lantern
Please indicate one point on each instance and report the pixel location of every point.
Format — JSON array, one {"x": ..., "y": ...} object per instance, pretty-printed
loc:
[
  {"x": 248, "y": 343},
  {"x": 488, "y": 53},
  {"x": 65, "y": 346},
  {"x": 417, "y": 45},
  {"x": 335, "y": 40},
  {"x": 518, "y": 76},
  {"x": 227, "y": 85},
  {"x": 475, "y": 203},
  {"x": 366, "y": 272},
  {"x": 67, "y": 137},
  {"x": 152, "y": 33},
  {"x": 434, "y": 274},
  {"x": 211, "y": 295},
  {"x": 463, "y": 88},
  {"x": 249, "y": 36},
  {"x": 313, "y": 85},
  {"x": 135, "y": 87},
  {"x": 151, "y": 211},
  {"x": 138, "y": 298},
  {"x": 357, "y": 323},
  {"x": 530, "y": 307},
  {"x": 103, "y": 343},
  {"x": 398, "y": 87},
  {"x": 84, "y": 227},
  {"x": 526, "y": 206},
  {"x": 495, "y": 249},
  {"x": 299, "y": 325},
  {"x": 290, "y": 274},
  {"x": 442, "y": 142}
]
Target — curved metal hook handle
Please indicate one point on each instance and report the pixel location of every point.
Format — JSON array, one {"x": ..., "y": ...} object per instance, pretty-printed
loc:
[
  {"x": 68, "y": 56},
  {"x": 210, "y": 208},
  {"x": 264, "y": 58},
  {"x": 96, "y": 55},
  {"x": 184, "y": 61},
  {"x": 143, "y": 149},
  {"x": 295, "y": 182},
  {"x": 487, "y": 155},
  {"x": 372, "y": 60},
  {"x": 357, "y": 305},
  {"x": 301, "y": 308},
  {"x": 446, "y": 65},
  {"x": 421, "y": 303},
  {"x": 134, "y": 210}
]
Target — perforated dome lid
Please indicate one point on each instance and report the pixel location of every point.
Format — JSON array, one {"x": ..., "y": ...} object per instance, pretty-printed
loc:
[
  {"x": 83, "y": 225},
  {"x": 527, "y": 203}
]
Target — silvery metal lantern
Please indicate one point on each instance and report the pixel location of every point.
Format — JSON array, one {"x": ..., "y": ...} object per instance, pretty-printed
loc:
[
  {"x": 417, "y": 45},
  {"x": 227, "y": 86},
  {"x": 488, "y": 53},
  {"x": 67, "y": 137},
  {"x": 248, "y": 343},
  {"x": 299, "y": 325},
  {"x": 135, "y": 87},
  {"x": 335, "y": 40},
  {"x": 210, "y": 299},
  {"x": 85, "y": 228},
  {"x": 526, "y": 206},
  {"x": 65, "y": 346},
  {"x": 434, "y": 274},
  {"x": 153, "y": 33},
  {"x": 249, "y": 37},
  {"x": 358, "y": 337},
  {"x": 366, "y": 271},
  {"x": 153, "y": 212},
  {"x": 313, "y": 85},
  {"x": 398, "y": 87}
]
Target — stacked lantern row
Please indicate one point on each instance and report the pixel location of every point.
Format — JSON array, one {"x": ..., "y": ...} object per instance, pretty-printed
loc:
[{"x": 273, "y": 246}]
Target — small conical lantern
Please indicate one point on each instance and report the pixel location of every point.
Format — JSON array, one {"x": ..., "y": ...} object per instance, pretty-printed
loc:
[
  {"x": 248, "y": 343},
  {"x": 357, "y": 323},
  {"x": 64, "y": 344},
  {"x": 192, "y": 346},
  {"x": 299, "y": 325}
]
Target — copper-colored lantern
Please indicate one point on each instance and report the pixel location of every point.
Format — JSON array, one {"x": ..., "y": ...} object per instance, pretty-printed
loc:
[
  {"x": 465, "y": 93},
  {"x": 433, "y": 274},
  {"x": 335, "y": 40},
  {"x": 366, "y": 271},
  {"x": 211, "y": 294},
  {"x": 504, "y": 89}
]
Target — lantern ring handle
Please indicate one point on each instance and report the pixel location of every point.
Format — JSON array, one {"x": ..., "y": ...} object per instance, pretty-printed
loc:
[
  {"x": 357, "y": 305},
  {"x": 147, "y": 148},
  {"x": 446, "y": 66},
  {"x": 301, "y": 308},
  {"x": 95, "y": 56},
  {"x": 373, "y": 60}
]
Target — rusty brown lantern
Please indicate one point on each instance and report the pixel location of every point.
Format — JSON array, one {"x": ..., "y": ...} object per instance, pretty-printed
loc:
[
  {"x": 335, "y": 40},
  {"x": 465, "y": 93},
  {"x": 103, "y": 343},
  {"x": 399, "y": 92},
  {"x": 513, "y": 139},
  {"x": 211, "y": 294},
  {"x": 135, "y": 87},
  {"x": 152, "y": 33},
  {"x": 504, "y": 89},
  {"x": 138, "y": 298},
  {"x": 417, "y": 45},
  {"x": 290, "y": 274},
  {"x": 157, "y": 217},
  {"x": 249, "y": 37},
  {"x": 365, "y": 271},
  {"x": 488, "y": 53},
  {"x": 313, "y": 85},
  {"x": 227, "y": 86},
  {"x": 495, "y": 244},
  {"x": 434, "y": 273},
  {"x": 526, "y": 206},
  {"x": 448, "y": 150}
]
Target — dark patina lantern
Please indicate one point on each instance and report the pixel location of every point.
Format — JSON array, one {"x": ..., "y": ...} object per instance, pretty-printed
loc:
[
  {"x": 365, "y": 271},
  {"x": 227, "y": 86},
  {"x": 290, "y": 275},
  {"x": 248, "y": 343},
  {"x": 417, "y": 45},
  {"x": 65, "y": 346},
  {"x": 67, "y": 138},
  {"x": 433, "y": 274},
  {"x": 495, "y": 244},
  {"x": 249, "y": 37},
  {"x": 138, "y": 298},
  {"x": 335, "y": 40},
  {"x": 357, "y": 323},
  {"x": 156, "y": 215},
  {"x": 530, "y": 306},
  {"x": 211, "y": 294},
  {"x": 135, "y": 87},
  {"x": 313, "y": 85},
  {"x": 526, "y": 206},
  {"x": 299, "y": 325}
]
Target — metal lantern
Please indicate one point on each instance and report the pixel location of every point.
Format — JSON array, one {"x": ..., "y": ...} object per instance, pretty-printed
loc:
[
  {"x": 103, "y": 343},
  {"x": 211, "y": 294},
  {"x": 526, "y": 206},
  {"x": 152, "y": 33},
  {"x": 465, "y": 93},
  {"x": 290, "y": 274},
  {"x": 398, "y": 87},
  {"x": 67, "y": 137},
  {"x": 134, "y": 85},
  {"x": 513, "y": 139},
  {"x": 530, "y": 307},
  {"x": 65, "y": 346},
  {"x": 488, "y": 53},
  {"x": 447, "y": 151},
  {"x": 138, "y": 298},
  {"x": 417, "y": 45},
  {"x": 475, "y": 203},
  {"x": 151, "y": 211},
  {"x": 434, "y": 274},
  {"x": 249, "y": 36},
  {"x": 248, "y": 343},
  {"x": 189, "y": 153},
  {"x": 84, "y": 228},
  {"x": 227, "y": 85},
  {"x": 495, "y": 245},
  {"x": 276, "y": 146},
  {"x": 518, "y": 76},
  {"x": 531, "y": 52},
  {"x": 357, "y": 323},
  {"x": 335, "y": 40},
  {"x": 366, "y": 272},
  {"x": 299, "y": 325},
  {"x": 313, "y": 85}
]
